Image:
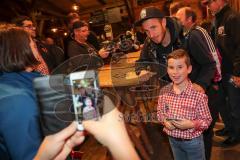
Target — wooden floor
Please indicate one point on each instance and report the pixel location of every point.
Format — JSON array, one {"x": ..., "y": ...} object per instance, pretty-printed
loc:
[{"x": 92, "y": 150}]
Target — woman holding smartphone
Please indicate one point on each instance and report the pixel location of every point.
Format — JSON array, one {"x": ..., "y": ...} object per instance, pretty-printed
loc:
[
  {"x": 19, "y": 117},
  {"x": 20, "y": 133}
]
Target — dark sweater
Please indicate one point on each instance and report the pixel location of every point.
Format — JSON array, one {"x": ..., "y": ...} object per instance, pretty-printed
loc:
[{"x": 20, "y": 134}]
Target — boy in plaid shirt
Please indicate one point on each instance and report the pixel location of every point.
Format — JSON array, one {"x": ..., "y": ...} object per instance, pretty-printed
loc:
[{"x": 182, "y": 110}]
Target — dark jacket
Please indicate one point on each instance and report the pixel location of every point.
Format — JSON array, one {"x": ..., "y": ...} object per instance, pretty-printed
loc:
[
  {"x": 52, "y": 54},
  {"x": 92, "y": 39},
  {"x": 153, "y": 54},
  {"x": 197, "y": 42},
  {"x": 83, "y": 56},
  {"x": 75, "y": 48},
  {"x": 20, "y": 135},
  {"x": 141, "y": 36},
  {"x": 227, "y": 23}
]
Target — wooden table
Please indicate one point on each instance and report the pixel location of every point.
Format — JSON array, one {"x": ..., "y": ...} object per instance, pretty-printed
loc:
[{"x": 121, "y": 73}]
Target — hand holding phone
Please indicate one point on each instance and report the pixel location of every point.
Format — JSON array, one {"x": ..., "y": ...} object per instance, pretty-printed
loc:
[{"x": 85, "y": 94}]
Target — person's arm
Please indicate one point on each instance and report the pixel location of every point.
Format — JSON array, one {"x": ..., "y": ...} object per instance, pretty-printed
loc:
[
  {"x": 162, "y": 113},
  {"x": 93, "y": 40},
  {"x": 203, "y": 119},
  {"x": 20, "y": 126},
  {"x": 59, "y": 145},
  {"x": 111, "y": 132},
  {"x": 200, "y": 53},
  {"x": 142, "y": 62},
  {"x": 232, "y": 41}
]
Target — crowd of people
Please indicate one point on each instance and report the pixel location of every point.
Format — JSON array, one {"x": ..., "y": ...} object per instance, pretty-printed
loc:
[
  {"x": 214, "y": 65},
  {"x": 203, "y": 75}
]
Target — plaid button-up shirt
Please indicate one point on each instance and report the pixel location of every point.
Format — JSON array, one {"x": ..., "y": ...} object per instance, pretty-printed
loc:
[
  {"x": 190, "y": 104},
  {"x": 42, "y": 66}
]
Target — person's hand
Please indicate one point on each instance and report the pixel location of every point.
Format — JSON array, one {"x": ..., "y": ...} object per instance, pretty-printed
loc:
[
  {"x": 169, "y": 125},
  {"x": 110, "y": 131},
  {"x": 104, "y": 53},
  {"x": 198, "y": 88},
  {"x": 59, "y": 145},
  {"x": 236, "y": 81},
  {"x": 183, "y": 124},
  {"x": 136, "y": 47},
  {"x": 145, "y": 75}
]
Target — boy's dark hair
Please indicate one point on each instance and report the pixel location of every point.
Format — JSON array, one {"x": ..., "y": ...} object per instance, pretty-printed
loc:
[
  {"x": 18, "y": 21},
  {"x": 190, "y": 13},
  {"x": 180, "y": 53},
  {"x": 15, "y": 51}
]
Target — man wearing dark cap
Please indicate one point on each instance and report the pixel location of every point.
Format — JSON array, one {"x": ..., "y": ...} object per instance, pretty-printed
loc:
[
  {"x": 92, "y": 38},
  {"x": 79, "y": 45},
  {"x": 226, "y": 27},
  {"x": 163, "y": 37}
]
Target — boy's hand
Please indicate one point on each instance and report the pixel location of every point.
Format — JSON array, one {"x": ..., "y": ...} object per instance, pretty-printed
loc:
[
  {"x": 169, "y": 125},
  {"x": 183, "y": 124}
]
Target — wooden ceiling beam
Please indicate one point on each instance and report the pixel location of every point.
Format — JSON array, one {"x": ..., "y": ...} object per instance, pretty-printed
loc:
[{"x": 100, "y": 7}]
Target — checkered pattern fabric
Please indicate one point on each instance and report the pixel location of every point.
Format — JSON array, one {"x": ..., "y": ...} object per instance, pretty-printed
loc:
[
  {"x": 42, "y": 66},
  {"x": 190, "y": 104}
]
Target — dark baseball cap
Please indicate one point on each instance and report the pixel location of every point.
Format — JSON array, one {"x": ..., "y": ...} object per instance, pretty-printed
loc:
[{"x": 147, "y": 13}]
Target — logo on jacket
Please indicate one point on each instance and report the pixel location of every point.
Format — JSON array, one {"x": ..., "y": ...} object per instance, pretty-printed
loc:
[{"x": 221, "y": 31}]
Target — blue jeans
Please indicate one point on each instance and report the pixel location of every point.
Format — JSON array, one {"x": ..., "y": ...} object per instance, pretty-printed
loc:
[{"x": 188, "y": 149}]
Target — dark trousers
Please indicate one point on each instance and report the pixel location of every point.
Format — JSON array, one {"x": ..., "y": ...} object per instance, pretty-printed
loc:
[
  {"x": 233, "y": 101},
  {"x": 216, "y": 103}
]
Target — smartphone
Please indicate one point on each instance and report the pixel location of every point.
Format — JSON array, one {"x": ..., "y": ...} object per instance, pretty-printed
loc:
[
  {"x": 172, "y": 119},
  {"x": 85, "y": 96}
]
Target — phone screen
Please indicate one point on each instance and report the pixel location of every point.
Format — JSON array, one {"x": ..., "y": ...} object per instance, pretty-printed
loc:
[{"x": 85, "y": 96}]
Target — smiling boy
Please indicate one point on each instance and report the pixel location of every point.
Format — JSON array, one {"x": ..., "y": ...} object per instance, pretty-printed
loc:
[{"x": 182, "y": 110}]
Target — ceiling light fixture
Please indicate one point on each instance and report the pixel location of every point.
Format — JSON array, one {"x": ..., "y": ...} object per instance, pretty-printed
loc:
[
  {"x": 75, "y": 7},
  {"x": 54, "y": 30}
]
